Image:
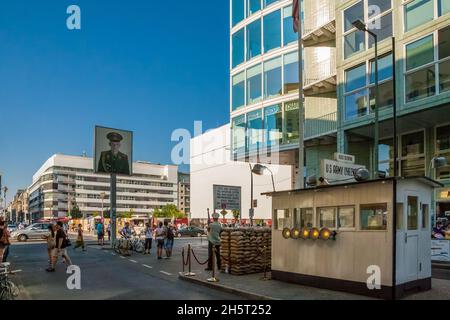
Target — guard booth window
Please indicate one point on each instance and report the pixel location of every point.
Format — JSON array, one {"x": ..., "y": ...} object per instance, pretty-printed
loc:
[
  {"x": 303, "y": 218},
  {"x": 282, "y": 219},
  {"x": 373, "y": 216},
  {"x": 413, "y": 213}
]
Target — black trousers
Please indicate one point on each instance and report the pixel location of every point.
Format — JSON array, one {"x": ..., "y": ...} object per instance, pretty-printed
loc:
[
  {"x": 210, "y": 253},
  {"x": 148, "y": 244}
]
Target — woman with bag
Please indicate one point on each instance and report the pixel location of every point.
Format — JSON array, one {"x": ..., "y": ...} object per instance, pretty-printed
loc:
[
  {"x": 51, "y": 243},
  {"x": 60, "y": 250},
  {"x": 4, "y": 241}
]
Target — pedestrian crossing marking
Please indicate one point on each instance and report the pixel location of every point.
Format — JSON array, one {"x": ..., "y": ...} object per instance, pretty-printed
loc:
[
  {"x": 166, "y": 273},
  {"x": 134, "y": 261},
  {"x": 149, "y": 267}
]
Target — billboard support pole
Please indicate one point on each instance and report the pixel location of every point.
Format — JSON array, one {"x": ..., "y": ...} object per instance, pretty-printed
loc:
[{"x": 113, "y": 207}]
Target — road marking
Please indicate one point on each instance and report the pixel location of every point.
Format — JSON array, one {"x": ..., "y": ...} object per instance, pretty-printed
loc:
[
  {"x": 149, "y": 267},
  {"x": 166, "y": 273},
  {"x": 134, "y": 261},
  {"x": 122, "y": 257},
  {"x": 113, "y": 253}
]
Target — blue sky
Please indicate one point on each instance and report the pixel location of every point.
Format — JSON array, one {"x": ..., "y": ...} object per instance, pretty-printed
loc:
[{"x": 146, "y": 66}]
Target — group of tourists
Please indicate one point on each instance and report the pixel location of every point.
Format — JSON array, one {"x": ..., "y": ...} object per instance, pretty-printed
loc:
[{"x": 4, "y": 240}]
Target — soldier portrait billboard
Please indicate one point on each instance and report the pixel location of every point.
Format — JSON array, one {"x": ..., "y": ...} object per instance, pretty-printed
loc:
[{"x": 113, "y": 150}]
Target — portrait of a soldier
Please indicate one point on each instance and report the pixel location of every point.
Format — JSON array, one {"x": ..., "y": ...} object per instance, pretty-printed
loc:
[{"x": 114, "y": 161}]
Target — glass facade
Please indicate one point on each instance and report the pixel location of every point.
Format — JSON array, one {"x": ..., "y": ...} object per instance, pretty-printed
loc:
[
  {"x": 289, "y": 36},
  {"x": 291, "y": 69},
  {"x": 272, "y": 78},
  {"x": 273, "y": 125},
  {"x": 418, "y": 12},
  {"x": 272, "y": 31},
  {"x": 238, "y": 134},
  {"x": 254, "y": 130},
  {"x": 238, "y": 11},
  {"x": 443, "y": 150},
  {"x": 291, "y": 122},
  {"x": 238, "y": 48},
  {"x": 254, "y": 84},
  {"x": 253, "y": 6},
  {"x": 254, "y": 39},
  {"x": 238, "y": 91},
  {"x": 360, "y": 87}
]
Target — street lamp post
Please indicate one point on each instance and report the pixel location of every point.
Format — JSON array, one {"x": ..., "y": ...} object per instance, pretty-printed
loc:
[
  {"x": 102, "y": 196},
  {"x": 5, "y": 190},
  {"x": 362, "y": 27},
  {"x": 258, "y": 169}
]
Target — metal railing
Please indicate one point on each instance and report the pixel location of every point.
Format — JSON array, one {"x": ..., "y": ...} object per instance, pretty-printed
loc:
[
  {"x": 322, "y": 13},
  {"x": 319, "y": 70},
  {"x": 321, "y": 125}
]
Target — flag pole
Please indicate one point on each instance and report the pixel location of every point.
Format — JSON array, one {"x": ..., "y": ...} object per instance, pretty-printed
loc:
[{"x": 301, "y": 113}]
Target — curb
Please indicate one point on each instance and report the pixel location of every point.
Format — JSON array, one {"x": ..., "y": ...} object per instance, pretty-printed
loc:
[{"x": 223, "y": 288}]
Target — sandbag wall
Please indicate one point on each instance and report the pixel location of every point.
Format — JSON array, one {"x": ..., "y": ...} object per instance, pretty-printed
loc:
[{"x": 242, "y": 249}]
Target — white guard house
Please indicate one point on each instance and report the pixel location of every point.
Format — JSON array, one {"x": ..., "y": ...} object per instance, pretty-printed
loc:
[{"x": 340, "y": 237}]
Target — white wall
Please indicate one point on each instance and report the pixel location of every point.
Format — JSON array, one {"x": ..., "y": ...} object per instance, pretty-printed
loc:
[{"x": 210, "y": 164}]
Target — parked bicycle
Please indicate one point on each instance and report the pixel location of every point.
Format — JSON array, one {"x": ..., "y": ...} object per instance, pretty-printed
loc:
[
  {"x": 8, "y": 290},
  {"x": 122, "y": 246}
]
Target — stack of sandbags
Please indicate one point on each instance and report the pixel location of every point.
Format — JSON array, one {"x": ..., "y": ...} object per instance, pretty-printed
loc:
[{"x": 242, "y": 249}]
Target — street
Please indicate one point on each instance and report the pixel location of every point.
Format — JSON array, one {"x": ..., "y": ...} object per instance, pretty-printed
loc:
[{"x": 107, "y": 275}]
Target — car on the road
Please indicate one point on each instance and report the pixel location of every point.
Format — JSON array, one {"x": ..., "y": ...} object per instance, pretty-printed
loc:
[
  {"x": 12, "y": 227},
  {"x": 34, "y": 231},
  {"x": 190, "y": 232}
]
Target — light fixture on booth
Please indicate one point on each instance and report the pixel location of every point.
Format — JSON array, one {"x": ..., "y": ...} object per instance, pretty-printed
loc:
[
  {"x": 361, "y": 174},
  {"x": 304, "y": 233},
  {"x": 295, "y": 233},
  {"x": 325, "y": 234},
  {"x": 286, "y": 233},
  {"x": 314, "y": 233}
]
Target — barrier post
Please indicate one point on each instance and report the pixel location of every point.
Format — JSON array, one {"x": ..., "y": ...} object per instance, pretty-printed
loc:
[
  {"x": 182, "y": 259},
  {"x": 189, "y": 273},
  {"x": 213, "y": 278},
  {"x": 265, "y": 264}
]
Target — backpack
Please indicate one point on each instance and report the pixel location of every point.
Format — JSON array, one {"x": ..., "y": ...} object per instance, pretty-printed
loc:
[{"x": 170, "y": 234}]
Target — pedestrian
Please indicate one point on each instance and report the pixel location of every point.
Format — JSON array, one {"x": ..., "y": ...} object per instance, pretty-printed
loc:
[
  {"x": 61, "y": 247},
  {"x": 100, "y": 234},
  {"x": 4, "y": 241},
  {"x": 214, "y": 230},
  {"x": 126, "y": 234},
  {"x": 109, "y": 231},
  {"x": 148, "y": 238},
  {"x": 170, "y": 235},
  {"x": 159, "y": 237},
  {"x": 51, "y": 243},
  {"x": 80, "y": 239}
]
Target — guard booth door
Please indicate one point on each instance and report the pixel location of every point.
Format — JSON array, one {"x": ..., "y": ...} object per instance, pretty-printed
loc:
[{"x": 411, "y": 235}]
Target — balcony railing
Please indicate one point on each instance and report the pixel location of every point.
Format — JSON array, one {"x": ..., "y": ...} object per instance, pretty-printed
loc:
[
  {"x": 321, "y": 126},
  {"x": 319, "y": 71},
  {"x": 318, "y": 15}
]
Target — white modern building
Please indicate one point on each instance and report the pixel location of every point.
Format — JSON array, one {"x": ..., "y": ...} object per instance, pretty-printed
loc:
[
  {"x": 211, "y": 165},
  {"x": 66, "y": 181}
]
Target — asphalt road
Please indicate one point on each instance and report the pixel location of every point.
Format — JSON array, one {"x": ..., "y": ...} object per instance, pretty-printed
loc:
[{"x": 107, "y": 275}]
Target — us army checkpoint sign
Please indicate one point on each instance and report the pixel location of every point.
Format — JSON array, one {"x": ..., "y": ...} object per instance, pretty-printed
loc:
[{"x": 113, "y": 151}]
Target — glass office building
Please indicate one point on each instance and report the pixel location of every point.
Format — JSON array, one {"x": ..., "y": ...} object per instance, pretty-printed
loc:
[{"x": 264, "y": 79}]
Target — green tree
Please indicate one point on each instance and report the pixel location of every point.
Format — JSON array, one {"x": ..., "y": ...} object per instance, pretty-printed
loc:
[
  {"x": 236, "y": 214},
  {"x": 75, "y": 212},
  {"x": 168, "y": 211},
  {"x": 127, "y": 214}
]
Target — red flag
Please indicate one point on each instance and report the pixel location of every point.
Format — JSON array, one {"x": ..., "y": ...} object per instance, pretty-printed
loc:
[{"x": 295, "y": 16}]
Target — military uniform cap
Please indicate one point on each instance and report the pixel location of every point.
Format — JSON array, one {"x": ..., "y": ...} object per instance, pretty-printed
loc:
[
  {"x": 114, "y": 137},
  {"x": 215, "y": 215}
]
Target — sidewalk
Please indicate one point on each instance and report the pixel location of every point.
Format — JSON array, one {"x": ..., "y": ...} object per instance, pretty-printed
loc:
[{"x": 253, "y": 287}]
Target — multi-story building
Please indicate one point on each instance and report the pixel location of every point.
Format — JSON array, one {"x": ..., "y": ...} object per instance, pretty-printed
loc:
[
  {"x": 339, "y": 89},
  {"x": 65, "y": 182},
  {"x": 264, "y": 80},
  {"x": 422, "y": 59},
  {"x": 19, "y": 206},
  {"x": 184, "y": 193}
]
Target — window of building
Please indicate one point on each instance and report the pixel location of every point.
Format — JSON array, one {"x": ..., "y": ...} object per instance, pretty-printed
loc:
[
  {"x": 303, "y": 218},
  {"x": 238, "y": 91},
  {"x": 413, "y": 154},
  {"x": 425, "y": 216},
  {"x": 282, "y": 219},
  {"x": 373, "y": 216},
  {"x": 346, "y": 217},
  {"x": 272, "y": 31},
  {"x": 327, "y": 218},
  {"x": 269, "y": 2},
  {"x": 254, "y": 39},
  {"x": 443, "y": 7},
  {"x": 273, "y": 125},
  {"x": 272, "y": 78},
  {"x": 417, "y": 13},
  {"x": 376, "y": 14},
  {"x": 386, "y": 156},
  {"x": 289, "y": 36},
  {"x": 291, "y": 72},
  {"x": 254, "y": 84},
  {"x": 291, "y": 122},
  {"x": 238, "y": 11},
  {"x": 254, "y": 130},
  {"x": 443, "y": 150},
  {"x": 253, "y": 6},
  {"x": 238, "y": 133},
  {"x": 360, "y": 88},
  {"x": 238, "y": 48},
  {"x": 444, "y": 57}
]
